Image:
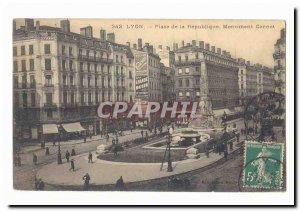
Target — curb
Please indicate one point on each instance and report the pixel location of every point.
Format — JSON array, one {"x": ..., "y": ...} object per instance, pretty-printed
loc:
[{"x": 143, "y": 182}]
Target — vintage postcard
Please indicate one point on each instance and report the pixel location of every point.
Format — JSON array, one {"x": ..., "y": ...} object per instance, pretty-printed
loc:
[{"x": 149, "y": 105}]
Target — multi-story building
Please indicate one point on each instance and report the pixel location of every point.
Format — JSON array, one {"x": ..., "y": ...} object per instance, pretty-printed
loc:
[
  {"x": 253, "y": 80},
  {"x": 61, "y": 76},
  {"x": 279, "y": 63},
  {"x": 207, "y": 75},
  {"x": 168, "y": 72},
  {"x": 247, "y": 81}
]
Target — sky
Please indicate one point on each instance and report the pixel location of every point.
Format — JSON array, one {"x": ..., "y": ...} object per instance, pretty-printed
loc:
[{"x": 252, "y": 40}]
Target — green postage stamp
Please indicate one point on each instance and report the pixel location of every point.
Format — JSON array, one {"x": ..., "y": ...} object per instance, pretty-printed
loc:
[{"x": 263, "y": 167}]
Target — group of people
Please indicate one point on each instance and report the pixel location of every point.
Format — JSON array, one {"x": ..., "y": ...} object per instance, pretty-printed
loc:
[{"x": 120, "y": 185}]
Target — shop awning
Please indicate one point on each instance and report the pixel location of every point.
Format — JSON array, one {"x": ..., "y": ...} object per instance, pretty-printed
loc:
[
  {"x": 50, "y": 128},
  {"x": 73, "y": 127}
]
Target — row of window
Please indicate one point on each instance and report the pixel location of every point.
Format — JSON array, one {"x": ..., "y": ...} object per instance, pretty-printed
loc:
[
  {"x": 188, "y": 94},
  {"x": 187, "y": 70},
  {"x": 187, "y": 82},
  {"x": 24, "y": 65},
  {"x": 47, "y": 50}
]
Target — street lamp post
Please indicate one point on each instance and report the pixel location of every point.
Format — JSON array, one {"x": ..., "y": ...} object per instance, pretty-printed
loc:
[
  {"x": 59, "y": 161},
  {"x": 170, "y": 168}
]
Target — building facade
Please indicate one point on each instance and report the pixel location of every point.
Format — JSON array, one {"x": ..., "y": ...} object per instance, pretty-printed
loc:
[
  {"x": 207, "y": 75},
  {"x": 280, "y": 63},
  {"x": 61, "y": 77}
]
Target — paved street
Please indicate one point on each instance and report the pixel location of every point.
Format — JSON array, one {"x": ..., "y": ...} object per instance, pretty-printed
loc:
[{"x": 24, "y": 175}]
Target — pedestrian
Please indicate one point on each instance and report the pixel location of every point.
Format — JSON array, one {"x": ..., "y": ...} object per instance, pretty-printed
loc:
[
  {"x": 91, "y": 136},
  {"x": 72, "y": 165},
  {"x": 86, "y": 179},
  {"x": 34, "y": 159},
  {"x": 142, "y": 133},
  {"x": 47, "y": 151},
  {"x": 230, "y": 145},
  {"x": 242, "y": 131},
  {"x": 42, "y": 145},
  {"x": 207, "y": 151},
  {"x": 238, "y": 137},
  {"x": 67, "y": 156},
  {"x": 146, "y": 135},
  {"x": 90, "y": 157},
  {"x": 84, "y": 139},
  {"x": 40, "y": 184},
  {"x": 117, "y": 140},
  {"x": 107, "y": 137},
  {"x": 225, "y": 154},
  {"x": 115, "y": 150},
  {"x": 173, "y": 126},
  {"x": 131, "y": 129},
  {"x": 120, "y": 184},
  {"x": 73, "y": 152}
]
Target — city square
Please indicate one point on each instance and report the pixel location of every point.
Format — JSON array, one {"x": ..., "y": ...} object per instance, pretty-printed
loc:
[{"x": 94, "y": 114}]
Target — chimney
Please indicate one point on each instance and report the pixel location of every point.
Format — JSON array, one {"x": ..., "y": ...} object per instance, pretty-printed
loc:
[
  {"x": 182, "y": 43},
  {"x": 14, "y": 25},
  {"x": 213, "y": 49},
  {"x": 102, "y": 34},
  {"x": 140, "y": 44},
  {"x": 134, "y": 46},
  {"x": 224, "y": 53},
  {"x": 194, "y": 44},
  {"x": 29, "y": 24},
  {"x": 160, "y": 46},
  {"x": 207, "y": 46},
  {"x": 201, "y": 44},
  {"x": 219, "y": 51},
  {"x": 167, "y": 48},
  {"x": 151, "y": 48},
  {"x": 146, "y": 44},
  {"x": 65, "y": 25},
  {"x": 87, "y": 31},
  {"x": 111, "y": 37},
  {"x": 188, "y": 44},
  {"x": 128, "y": 44}
]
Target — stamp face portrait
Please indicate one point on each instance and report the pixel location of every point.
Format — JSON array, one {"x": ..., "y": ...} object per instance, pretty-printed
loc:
[{"x": 263, "y": 166}]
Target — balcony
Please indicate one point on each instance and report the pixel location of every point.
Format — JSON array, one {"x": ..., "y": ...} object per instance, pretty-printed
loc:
[
  {"x": 50, "y": 105},
  {"x": 279, "y": 55},
  {"x": 189, "y": 62},
  {"x": 95, "y": 59},
  {"x": 278, "y": 67},
  {"x": 278, "y": 82},
  {"x": 49, "y": 85}
]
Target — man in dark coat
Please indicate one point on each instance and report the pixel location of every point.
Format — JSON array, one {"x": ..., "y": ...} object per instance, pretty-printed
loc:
[
  {"x": 67, "y": 156},
  {"x": 120, "y": 184},
  {"x": 47, "y": 151},
  {"x": 72, "y": 165},
  {"x": 73, "y": 152},
  {"x": 142, "y": 133},
  {"x": 90, "y": 157},
  {"x": 86, "y": 179},
  {"x": 34, "y": 159}
]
